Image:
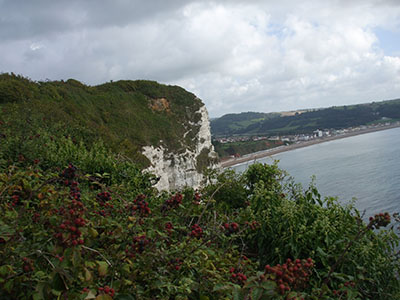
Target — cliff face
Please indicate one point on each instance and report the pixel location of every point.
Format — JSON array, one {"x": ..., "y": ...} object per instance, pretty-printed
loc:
[{"x": 185, "y": 168}]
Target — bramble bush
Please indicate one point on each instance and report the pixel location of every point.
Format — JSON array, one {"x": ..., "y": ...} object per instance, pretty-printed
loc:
[
  {"x": 293, "y": 223},
  {"x": 78, "y": 222}
]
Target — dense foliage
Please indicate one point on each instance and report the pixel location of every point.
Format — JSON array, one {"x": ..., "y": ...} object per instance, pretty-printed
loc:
[
  {"x": 337, "y": 117},
  {"x": 80, "y": 221},
  {"x": 71, "y": 234},
  {"x": 126, "y": 115}
]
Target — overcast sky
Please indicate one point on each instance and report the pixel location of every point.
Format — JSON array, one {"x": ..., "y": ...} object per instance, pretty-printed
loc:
[{"x": 236, "y": 55}]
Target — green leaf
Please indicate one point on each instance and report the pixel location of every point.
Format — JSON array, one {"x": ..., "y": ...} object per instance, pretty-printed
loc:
[
  {"x": 256, "y": 293},
  {"x": 56, "y": 292},
  {"x": 269, "y": 286},
  {"x": 236, "y": 293},
  {"x": 90, "y": 295},
  {"x": 37, "y": 296},
  {"x": 5, "y": 270},
  {"x": 57, "y": 282},
  {"x": 125, "y": 297},
  {"x": 102, "y": 268},
  {"x": 221, "y": 287},
  {"x": 8, "y": 286},
  {"x": 68, "y": 254},
  {"x": 93, "y": 232},
  {"x": 88, "y": 275},
  {"x": 103, "y": 297},
  {"x": 76, "y": 258},
  {"x": 321, "y": 252},
  {"x": 360, "y": 277},
  {"x": 90, "y": 264},
  {"x": 40, "y": 274},
  {"x": 341, "y": 276},
  {"x": 40, "y": 291},
  {"x": 126, "y": 268}
]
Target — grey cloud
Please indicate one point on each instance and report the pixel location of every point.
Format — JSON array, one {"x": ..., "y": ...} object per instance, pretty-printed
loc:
[
  {"x": 235, "y": 55},
  {"x": 27, "y": 19}
]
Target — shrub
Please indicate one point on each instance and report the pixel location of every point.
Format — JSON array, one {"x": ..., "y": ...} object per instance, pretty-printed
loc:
[{"x": 74, "y": 233}]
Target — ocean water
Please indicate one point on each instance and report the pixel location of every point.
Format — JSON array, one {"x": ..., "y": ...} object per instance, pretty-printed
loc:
[{"x": 365, "y": 167}]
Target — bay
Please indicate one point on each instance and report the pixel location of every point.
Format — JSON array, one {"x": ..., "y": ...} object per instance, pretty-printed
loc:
[{"x": 365, "y": 167}]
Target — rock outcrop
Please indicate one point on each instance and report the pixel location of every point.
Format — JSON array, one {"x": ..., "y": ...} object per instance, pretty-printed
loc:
[{"x": 177, "y": 169}]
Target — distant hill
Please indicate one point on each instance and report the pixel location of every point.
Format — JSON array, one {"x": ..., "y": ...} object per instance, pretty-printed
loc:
[
  {"x": 231, "y": 123},
  {"x": 336, "y": 117}
]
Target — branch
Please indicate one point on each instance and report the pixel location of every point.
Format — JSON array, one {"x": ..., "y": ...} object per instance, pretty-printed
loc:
[
  {"x": 209, "y": 201},
  {"x": 94, "y": 250}
]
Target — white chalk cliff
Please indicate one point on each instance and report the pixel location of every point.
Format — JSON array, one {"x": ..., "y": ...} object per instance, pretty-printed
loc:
[{"x": 176, "y": 170}]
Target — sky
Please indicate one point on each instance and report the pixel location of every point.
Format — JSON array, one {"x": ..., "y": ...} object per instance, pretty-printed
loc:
[{"x": 235, "y": 55}]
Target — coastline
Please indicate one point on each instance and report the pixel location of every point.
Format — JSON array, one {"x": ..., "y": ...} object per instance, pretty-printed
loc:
[{"x": 261, "y": 154}]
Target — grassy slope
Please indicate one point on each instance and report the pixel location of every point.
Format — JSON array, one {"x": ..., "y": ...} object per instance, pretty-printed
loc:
[
  {"x": 231, "y": 123},
  {"x": 118, "y": 113}
]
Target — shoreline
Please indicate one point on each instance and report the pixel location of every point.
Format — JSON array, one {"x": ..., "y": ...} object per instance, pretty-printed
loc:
[{"x": 269, "y": 152}]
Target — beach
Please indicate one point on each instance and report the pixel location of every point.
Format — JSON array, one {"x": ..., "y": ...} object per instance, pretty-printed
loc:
[{"x": 254, "y": 156}]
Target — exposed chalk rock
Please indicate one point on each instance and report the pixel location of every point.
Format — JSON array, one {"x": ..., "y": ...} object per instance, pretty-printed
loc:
[{"x": 185, "y": 168}]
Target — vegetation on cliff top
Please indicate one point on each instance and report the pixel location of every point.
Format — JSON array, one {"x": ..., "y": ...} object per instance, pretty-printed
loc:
[
  {"x": 78, "y": 221},
  {"x": 125, "y": 115}
]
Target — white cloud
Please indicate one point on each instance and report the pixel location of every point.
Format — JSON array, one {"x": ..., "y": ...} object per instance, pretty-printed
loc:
[
  {"x": 235, "y": 55},
  {"x": 35, "y": 46}
]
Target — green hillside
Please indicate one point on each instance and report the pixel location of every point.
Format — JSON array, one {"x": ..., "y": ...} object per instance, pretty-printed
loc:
[
  {"x": 125, "y": 115},
  {"x": 230, "y": 123},
  {"x": 337, "y": 117}
]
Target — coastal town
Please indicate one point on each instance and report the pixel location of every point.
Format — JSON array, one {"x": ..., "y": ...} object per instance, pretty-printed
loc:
[
  {"x": 290, "y": 142},
  {"x": 305, "y": 137}
]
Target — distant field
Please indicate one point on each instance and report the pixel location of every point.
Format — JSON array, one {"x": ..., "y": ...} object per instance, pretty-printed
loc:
[{"x": 306, "y": 121}]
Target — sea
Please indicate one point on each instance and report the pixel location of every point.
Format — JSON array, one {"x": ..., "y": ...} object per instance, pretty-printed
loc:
[{"x": 365, "y": 167}]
